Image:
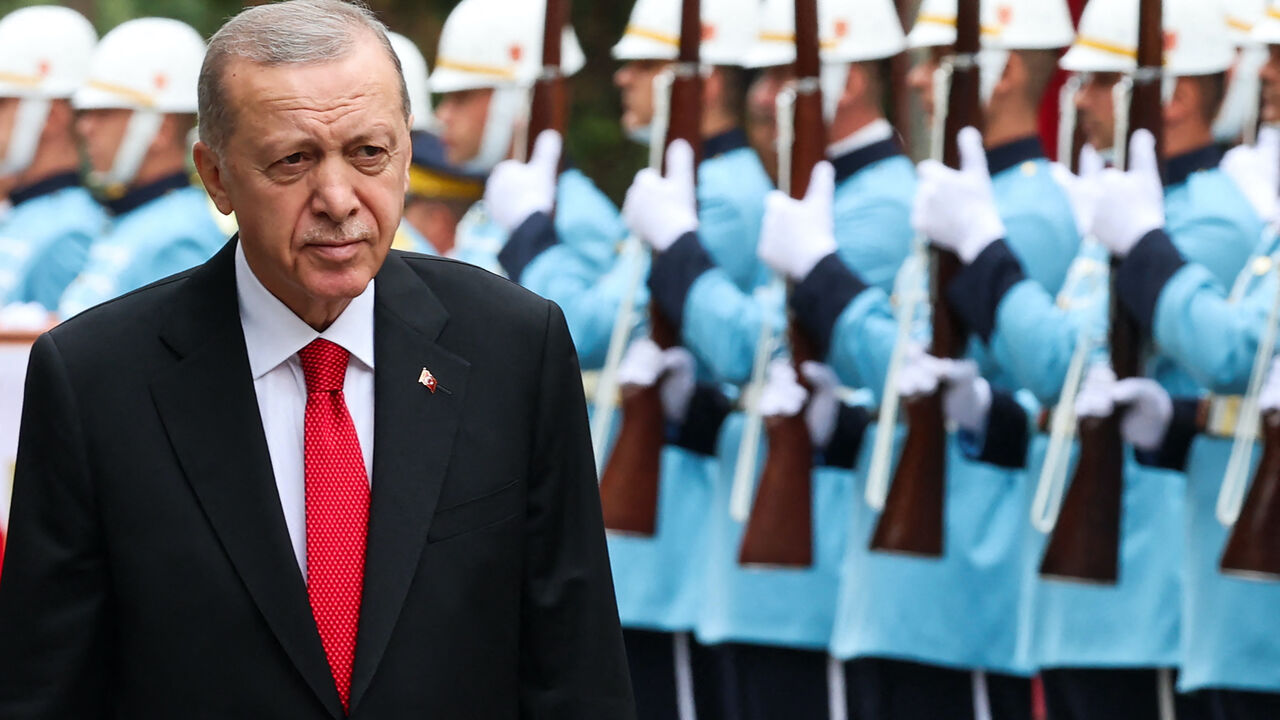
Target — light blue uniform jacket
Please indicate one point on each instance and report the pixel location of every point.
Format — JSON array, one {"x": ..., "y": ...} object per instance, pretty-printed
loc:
[
  {"x": 963, "y": 609},
  {"x": 1033, "y": 340},
  {"x": 45, "y": 240},
  {"x": 161, "y": 229}
]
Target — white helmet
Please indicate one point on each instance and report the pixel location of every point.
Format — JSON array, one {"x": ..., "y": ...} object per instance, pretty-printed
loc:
[
  {"x": 414, "y": 67},
  {"x": 1031, "y": 25},
  {"x": 45, "y": 55},
  {"x": 1242, "y": 17},
  {"x": 936, "y": 24},
  {"x": 493, "y": 44},
  {"x": 149, "y": 66},
  {"x": 1267, "y": 31},
  {"x": 1196, "y": 39},
  {"x": 653, "y": 32}
]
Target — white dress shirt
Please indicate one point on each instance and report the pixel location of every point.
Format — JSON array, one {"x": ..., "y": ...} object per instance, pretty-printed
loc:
[
  {"x": 273, "y": 335},
  {"x": 870, "y": 134}
]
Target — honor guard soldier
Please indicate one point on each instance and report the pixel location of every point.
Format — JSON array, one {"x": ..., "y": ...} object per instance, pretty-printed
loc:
[
  {"x": 911, "y": 655},
  {"x": 439, "y": 194},
  {"x": 1224, "y": 337},
  {"x": 45, "y": 236},
  {"x": 137, "y": 108},
  {"x": 553, "y": 232},
  {"x": 1095, "y": 659},
  {"x": 700, "y": 215}
]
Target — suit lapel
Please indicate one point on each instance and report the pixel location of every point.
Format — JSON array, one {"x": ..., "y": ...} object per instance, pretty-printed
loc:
[
  {"x": 414, "y": 430},
  {"x": 210, "y": 412}
]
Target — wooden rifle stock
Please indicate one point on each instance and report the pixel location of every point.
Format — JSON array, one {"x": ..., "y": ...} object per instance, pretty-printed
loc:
[
  {"x": 779, "y": 531},
  {"x": 1085, "y": 544},
  {"x": 548, "y": 109},
  {"x": 1253, "y": 549},
  {"x": 629, "y": 484},
  {"x": 912, "y": 521},
  {"x": 899, "y": 66}
]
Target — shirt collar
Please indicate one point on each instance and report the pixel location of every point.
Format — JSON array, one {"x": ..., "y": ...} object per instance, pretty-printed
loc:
[
  {"x": 143, "y": 194},
  {"x": 47, "y": 186},
  {"x": 1012, "y": 154},
  {"x": 1178, "y": 169},
  {"x": 273, "y": 334},
  {"x": 724, "y": 143},
  {"x": 873, "y": 132}
]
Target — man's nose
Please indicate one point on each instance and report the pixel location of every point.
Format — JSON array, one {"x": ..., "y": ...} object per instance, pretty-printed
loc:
[{"x": 333, "y": 193}]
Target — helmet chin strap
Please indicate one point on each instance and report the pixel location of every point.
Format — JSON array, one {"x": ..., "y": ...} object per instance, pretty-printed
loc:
[
  {"x": 24, "y": 138},
  {"x": 833, "y": 78},
  {"x": 141, "y": 131},
  {"x": 507, "y": 106},
  {"x": 991, "y": 66}
]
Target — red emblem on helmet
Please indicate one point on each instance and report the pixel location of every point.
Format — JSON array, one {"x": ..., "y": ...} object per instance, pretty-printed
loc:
[
  {"x": 1170, "y": 40},
  {"x": 516, "y": 52},
  {"x": 42, "y": 68},
  {"x": 842, "y": 28},
  {"x": 161, "y": 81},
  {"x": 708, "y": 32},
  {"x": 1004, "y": 14}
]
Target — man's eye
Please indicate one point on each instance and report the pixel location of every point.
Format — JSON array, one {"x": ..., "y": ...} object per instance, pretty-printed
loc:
[
  {"x": 369, "y": 151},
  {"x": 293, "y": 159}
]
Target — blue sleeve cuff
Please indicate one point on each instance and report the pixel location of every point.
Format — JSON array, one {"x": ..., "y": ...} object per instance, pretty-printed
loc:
[
  {"x": 976, "y": 291},
  {"x": 1143, "y": 274},
  {"x": 701, "y": 427},
  {"x": 846, "y": 440},
  {"x": 1007, "y": 437},
  {"x": 672, "y": 275},
  {"x": 1183, "y": 428},
  {"x": 531, "y": 239},
  {"x": 821, "y": 297}
]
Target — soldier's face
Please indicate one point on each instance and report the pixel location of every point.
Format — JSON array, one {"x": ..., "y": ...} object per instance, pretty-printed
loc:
[
  {"x": 462, "y": 117},
  {"x": 8, "y": 114},
  {"x": 1270, "y": 75},
  {"x": 762, "y": 114},
  {"x": 101, "y": 133},
  {"x": 920, "y": 79},
  {"x": 635, "y": 80},
  {"x": 1098, "y": 108},
  {"x": 315, "y": 169}
]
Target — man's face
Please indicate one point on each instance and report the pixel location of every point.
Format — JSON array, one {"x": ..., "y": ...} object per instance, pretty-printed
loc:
[
  {"x": 1270, "y": 75},
  {"x": 462, "y": 117},
  {"x": 635, "y": 80},
  {"x": 1097, "y": 108},
  {"x": 102, "y": 132},
  {"x": 920, "y": 78},
  {"x": 315, "y": 169},
  {"x": 762, "y": 114}
]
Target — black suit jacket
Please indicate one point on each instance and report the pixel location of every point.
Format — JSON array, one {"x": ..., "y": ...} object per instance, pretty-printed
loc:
[{"x": 149, "y": 572}]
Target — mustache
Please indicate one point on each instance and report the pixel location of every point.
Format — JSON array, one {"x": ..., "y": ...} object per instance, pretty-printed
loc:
[{"x": 347, "y": 232}]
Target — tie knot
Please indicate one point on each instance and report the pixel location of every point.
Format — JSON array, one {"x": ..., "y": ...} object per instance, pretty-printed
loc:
[{"x": 324, "y": 365}]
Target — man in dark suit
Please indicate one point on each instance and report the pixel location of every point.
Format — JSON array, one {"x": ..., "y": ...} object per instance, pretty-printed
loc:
[{"x": 310, "y": 478}]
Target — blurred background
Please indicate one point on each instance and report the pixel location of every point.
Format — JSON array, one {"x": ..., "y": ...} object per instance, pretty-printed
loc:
[{"x": 595, "y": 141}]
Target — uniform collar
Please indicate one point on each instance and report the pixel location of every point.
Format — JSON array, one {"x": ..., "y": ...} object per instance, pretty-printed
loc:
[
  {"x": 1178, "y": 169},
  {"x": 143, "y": 194},
  {"x": 273, "y": 333},
  {"x": 47, "y": 186},
  {"x": 851, "y": 163},
  {"x": 724, "y": 143},
  {"x": 1012, "y": 154}
]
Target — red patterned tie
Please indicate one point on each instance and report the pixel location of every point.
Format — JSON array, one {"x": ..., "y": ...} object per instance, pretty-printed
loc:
[{"x": 337, "y": 509}]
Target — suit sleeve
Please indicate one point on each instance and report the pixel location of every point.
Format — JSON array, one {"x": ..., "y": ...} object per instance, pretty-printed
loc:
[
  {"x": 54, "y": 622},
  {"x": 572, "y": 663}
]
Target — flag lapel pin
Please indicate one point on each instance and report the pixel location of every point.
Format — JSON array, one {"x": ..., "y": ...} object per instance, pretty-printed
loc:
[{"x": 428, "y": 380}]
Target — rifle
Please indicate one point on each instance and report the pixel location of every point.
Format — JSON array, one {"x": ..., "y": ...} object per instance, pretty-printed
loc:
[
  {"x": 629, "y": 484},
  {"x": 779, "y": 530},
  {"x": 912, "y": 520},
  {"x": 1085, "y": 545},
  {"x": 899, "y": 66},
  {"x": 548, "y": 109}
]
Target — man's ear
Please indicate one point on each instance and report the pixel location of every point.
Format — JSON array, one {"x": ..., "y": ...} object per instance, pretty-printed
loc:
[{"x": 210, "y": 169}]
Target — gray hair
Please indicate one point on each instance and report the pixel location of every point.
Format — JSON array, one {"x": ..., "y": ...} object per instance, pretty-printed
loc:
[{"x": 294, "y": 32}]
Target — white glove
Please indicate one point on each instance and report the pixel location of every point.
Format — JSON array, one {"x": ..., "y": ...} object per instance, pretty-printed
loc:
[
  {"x": 796, "y": 234},
  {"x": 956, "y": 209},
  {"x": 1148, "y": 407},
  {"x": 660, "y": 209},
  {"x": 1256, "y": 171},
  {"x": 516, "y": 190},
  {"x": 1130, "y": 203},
  {"x": 1269, "y": 396},
  {"x": 31, "y": 316},
  {"x": 966, "y": 397},
  {"x": 644, "y": 364},
  {"x": 784, "y": 396},
  {"x": 1082, "y": 190}
]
